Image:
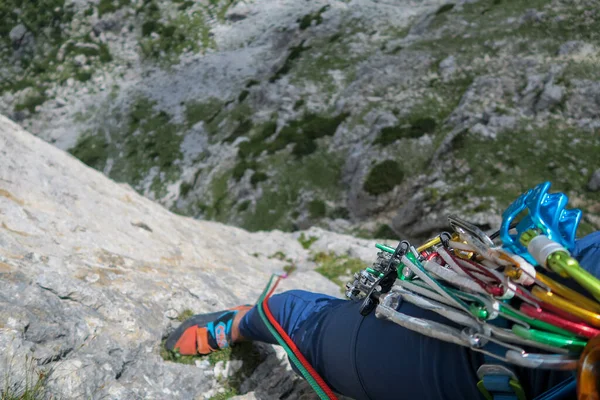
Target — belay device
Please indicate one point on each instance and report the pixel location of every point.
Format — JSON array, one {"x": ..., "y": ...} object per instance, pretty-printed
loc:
[{"x": 496, "y": 289}]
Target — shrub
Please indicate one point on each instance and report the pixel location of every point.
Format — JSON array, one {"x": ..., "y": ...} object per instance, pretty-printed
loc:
[
  {"x": 383, "y": 177},
  {"x": 317, "y": 209}
]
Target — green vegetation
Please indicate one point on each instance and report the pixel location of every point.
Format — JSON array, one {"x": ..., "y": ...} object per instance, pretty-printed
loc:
[
  {"x": 164, "y": 42},
  {"x": 306, "y": 242},
  {"x": 205, "y": 111},
  {"x": 185, "y": 315},
  {"x": 242, "y": 128},
  {"x": 243, "y": 206},
  {"x": 279, "y": 255},
  {"x": 243, "y": 95},
  {"x": 327, "y": 55},
  {"x": 383, "y": 177},
  {"x": 32, "y": 101},
  {"x": 92, "y": 150},
  {"x": 385, "y": 232},
  {"x": 245, "y": 351},
  {"x": 340, "y": 212},
  {"x": 300, "y": 133},
  {"x": 556, "y": 153},
  {"x": 444, "y": 8},
  {"x": 151, "y": 140},
  {"x": 33, "y": 387},
  {"x": 146, "y": 140},
  {"x": 307, "y": 20},
  {"x": 240, "y": 168},
  {"x": 110, "y": 6},
  {"x": 317, "y": 208},
  {"x": 46, "y": 55},
  {"x": 295, "y": 53},
  {"x": 414, "y": 129},
  {"x": 290, "y": 268},
  {"x": 535, "y": 36},
  {"x": 337, "y": 268},
  {"x": 318, "y": 173},
  {"x": 185, "y": 188},
  {"x": 258, "y": 177},
  {"x": 303, "y": 133}
]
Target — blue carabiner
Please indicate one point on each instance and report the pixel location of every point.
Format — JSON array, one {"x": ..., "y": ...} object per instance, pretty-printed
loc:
[{"x": 547, "y": 213}]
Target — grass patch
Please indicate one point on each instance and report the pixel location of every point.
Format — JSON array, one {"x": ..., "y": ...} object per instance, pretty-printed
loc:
[
  {"x": 290, "y": 268},
  {"x": 185, "y": 315},
  {"x": 337, "y": 269},
  {"x": 383, "y": 177},
  {"x": 306, "y": 242},
  {"x": 34, "y": 385}
]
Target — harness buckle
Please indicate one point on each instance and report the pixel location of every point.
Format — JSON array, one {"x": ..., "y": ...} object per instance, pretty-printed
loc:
[{"x": 494, "y": 378}]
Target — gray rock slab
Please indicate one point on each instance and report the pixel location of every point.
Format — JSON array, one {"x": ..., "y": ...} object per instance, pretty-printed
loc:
[{"x": 91, "y": 275}]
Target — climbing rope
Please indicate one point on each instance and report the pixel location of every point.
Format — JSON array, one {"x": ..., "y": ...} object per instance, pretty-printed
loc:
[{"x": 296, "y": 357}]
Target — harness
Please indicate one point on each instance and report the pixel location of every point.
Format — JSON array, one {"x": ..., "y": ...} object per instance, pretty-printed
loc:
[
  {"x": 494, "y": 289},
  {"x": 507, "y": 308}
]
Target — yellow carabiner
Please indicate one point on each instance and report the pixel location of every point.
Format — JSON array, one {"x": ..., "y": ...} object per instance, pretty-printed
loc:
[
  {"x": 566, "y": 305},
  {"x": 569, "y": 294},
  {"x": 588, "y": 371}
]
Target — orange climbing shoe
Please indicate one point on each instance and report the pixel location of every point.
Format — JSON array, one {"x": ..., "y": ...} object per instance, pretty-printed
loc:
[{"x": 203, "y": 333}]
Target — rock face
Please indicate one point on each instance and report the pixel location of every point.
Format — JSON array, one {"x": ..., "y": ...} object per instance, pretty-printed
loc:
[
  {"x": 275, "y": 114},
  {"x": 92, "y": 276}
]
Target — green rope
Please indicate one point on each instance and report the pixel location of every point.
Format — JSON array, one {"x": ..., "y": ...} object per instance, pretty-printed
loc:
[{"x": 322, "y": 395}]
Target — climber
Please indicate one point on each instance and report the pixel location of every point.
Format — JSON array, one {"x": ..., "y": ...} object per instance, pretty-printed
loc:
[{"x": 365, "y": 357}]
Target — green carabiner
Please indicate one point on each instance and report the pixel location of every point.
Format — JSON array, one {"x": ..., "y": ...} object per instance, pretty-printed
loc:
[
  {"x": 534, "y": 322},
  {"x": 551, "y": 339}
]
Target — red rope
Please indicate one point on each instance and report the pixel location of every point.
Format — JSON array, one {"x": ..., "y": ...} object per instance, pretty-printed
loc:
[{"x": 293, "y": 346}]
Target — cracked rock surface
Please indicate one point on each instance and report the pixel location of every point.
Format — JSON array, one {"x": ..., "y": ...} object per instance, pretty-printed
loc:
[{"x": 92, "y": 275}]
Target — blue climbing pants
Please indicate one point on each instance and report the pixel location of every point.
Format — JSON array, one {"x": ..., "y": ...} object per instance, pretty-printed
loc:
[{"x": 369, "y": 358}]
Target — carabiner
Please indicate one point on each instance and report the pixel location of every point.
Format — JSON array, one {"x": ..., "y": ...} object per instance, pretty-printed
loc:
[
  {"x": 556, "y": 324},
  {"x": 552, "y": 339}
]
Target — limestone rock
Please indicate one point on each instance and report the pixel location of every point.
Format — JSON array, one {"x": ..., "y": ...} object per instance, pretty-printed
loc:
[
  {"x": 550, "y": 97},
  {"x": 86, "y": 289},
  {"x": 594, "y": 183}
]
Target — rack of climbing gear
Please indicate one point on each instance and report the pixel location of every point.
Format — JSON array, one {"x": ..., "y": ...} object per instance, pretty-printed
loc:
[{"x": 498, "y": 294}]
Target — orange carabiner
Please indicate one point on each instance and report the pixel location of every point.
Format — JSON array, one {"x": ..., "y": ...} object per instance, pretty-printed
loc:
[{"x": 588, "y": 371}]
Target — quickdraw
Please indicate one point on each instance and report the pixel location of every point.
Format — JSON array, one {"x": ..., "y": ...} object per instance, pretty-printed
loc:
[{"x": 472, "y": 279}]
